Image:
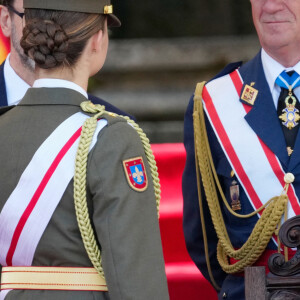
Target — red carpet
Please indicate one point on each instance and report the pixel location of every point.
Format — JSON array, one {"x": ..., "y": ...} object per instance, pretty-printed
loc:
[{"x": 184, "y": 279}]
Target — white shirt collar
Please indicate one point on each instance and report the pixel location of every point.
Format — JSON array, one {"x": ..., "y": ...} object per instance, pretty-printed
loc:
[
  {"x": 272, "y": 68},
  {"x": 16, "y": 87},
  {"x": 59, "y": 83}
]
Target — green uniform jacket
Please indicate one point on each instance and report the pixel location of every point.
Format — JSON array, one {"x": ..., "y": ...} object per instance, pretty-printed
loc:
[{"x": 125, "y": 220}]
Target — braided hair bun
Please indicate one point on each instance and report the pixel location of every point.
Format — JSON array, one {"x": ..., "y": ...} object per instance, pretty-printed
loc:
[
  {"x": 57, "y": 38},
  {"x": 45, "y": 42}
]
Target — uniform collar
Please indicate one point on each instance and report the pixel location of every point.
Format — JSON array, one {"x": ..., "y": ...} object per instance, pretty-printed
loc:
[
  {"x": 59, "y": 83},
  {"x": 13, "y": 80},
  {"x": 273, "y": 68},
  {"x": 52, "y": 96}
]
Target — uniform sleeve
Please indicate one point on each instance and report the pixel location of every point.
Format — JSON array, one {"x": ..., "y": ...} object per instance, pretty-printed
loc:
[
  {"x": 191, "y": 214},
  {"x": 125, "y": 220}
]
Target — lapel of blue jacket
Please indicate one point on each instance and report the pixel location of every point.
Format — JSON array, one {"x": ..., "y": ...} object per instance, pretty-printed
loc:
[
  {"x": 263, "y": 117},
  {"x": 3, "y": 96}
]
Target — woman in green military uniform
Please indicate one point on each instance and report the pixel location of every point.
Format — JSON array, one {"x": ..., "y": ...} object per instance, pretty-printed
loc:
[{"x": 107, "y": 245}]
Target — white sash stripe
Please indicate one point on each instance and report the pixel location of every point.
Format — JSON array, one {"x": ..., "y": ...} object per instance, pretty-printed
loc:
[
  {"x": 284, "y": 81},
  {"x": 244, "y": 141},
  {"x": 49, "y": 199},
  {"x": 295, "y": 82},
  {"x": 3, "y": 294}
]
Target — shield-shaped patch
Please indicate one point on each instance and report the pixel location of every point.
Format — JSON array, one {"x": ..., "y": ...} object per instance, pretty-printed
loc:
[{"x": 136, "y": 173}]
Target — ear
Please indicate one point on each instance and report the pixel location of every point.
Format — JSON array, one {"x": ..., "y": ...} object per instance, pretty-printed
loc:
[
  {"x": 5, "y": 21},
  {"x": 97, "y": 40}
]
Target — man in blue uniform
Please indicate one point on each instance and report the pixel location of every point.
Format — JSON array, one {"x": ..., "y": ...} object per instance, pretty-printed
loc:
[
  {"x": 17, "y": 72},
  {"x": 251, "y": 113}
]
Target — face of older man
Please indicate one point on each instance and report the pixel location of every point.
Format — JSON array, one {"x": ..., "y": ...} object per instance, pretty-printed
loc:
[
  {"x": 16, "y": 34},
  {"x": 12, "y": 27},
  {"x": 278, "y": 26}
]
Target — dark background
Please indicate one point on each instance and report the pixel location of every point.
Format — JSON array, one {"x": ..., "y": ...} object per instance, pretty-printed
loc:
[{"x": 182, "y": 18}]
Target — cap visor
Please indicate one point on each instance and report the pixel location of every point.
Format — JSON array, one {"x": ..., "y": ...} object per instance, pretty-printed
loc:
[{"x": 113, "y": 21}]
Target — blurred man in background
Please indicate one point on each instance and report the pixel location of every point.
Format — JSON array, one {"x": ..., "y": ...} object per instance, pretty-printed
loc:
[
  {"x": 17, "y": 72},
  {"x": 252, "y": 121}
]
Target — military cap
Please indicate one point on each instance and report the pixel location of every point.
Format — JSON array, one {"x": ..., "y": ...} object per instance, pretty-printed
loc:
[{"x": 85, "y": 6}]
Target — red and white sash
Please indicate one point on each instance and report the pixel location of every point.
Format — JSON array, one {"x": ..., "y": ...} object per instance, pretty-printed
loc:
[
  {"x": 255, "y": 165},
  {"x": 29, "y": 208}
]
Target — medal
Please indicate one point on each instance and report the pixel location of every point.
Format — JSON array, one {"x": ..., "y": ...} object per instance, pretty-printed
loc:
[
  {"x": 290, "y": 116},
  {"x": 235, "y": 196},
  {"x": 289, "y": 151},
  {"x": 249, "y": 94}
]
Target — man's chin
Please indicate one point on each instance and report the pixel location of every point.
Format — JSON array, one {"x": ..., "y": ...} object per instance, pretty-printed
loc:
[{"x": 275, "y": 40}]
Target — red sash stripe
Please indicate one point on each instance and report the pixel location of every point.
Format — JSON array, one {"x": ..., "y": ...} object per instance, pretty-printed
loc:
[
  {"x": 37, "y": 195},
  {"x": 230, "y": 150},
  {"x": 236, "y": 79}
]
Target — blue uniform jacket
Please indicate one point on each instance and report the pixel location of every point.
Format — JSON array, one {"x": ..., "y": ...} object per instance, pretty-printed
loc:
[
  {"x": 264, "y": 122},
  {"x": 109, "y": 107}
]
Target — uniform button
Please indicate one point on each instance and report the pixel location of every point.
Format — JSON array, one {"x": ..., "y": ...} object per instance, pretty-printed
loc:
[
  {"x": 224, "y": 296},
  {"x": 289, "y": 178}
]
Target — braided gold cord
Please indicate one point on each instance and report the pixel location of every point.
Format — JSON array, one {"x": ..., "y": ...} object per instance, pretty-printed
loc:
[
  {"x": 82, "y": 214},
  {"x": 88, "y": 106},
  {"x": 151, "y": 160},
  {"x": 264, "y": 228}
]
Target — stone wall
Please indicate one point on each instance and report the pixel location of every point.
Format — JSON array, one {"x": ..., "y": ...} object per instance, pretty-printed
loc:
[{"x": 153, "y": 79}]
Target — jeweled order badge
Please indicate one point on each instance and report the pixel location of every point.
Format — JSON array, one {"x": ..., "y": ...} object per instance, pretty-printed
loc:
[
  {"x": 249, "y": 94},
  {"x": 136, "y": 173}
]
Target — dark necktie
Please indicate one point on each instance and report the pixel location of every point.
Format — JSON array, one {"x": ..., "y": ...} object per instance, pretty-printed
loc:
[{"x": 288, "y": 107}]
